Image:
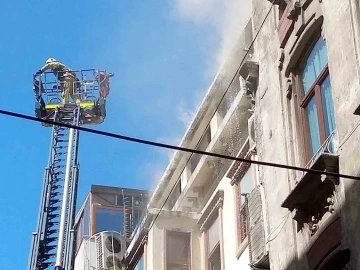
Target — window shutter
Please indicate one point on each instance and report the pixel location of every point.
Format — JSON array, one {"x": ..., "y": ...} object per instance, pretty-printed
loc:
[{"x": 259, "y": 254}]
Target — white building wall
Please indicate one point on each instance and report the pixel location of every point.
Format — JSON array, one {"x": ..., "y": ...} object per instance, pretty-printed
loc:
[
  {"x": 80, "y": 258},
  {"x": 156, "y": 246},
  {"x": 205, "y": 175},
  {"x": 230, "y": 229},
  {"x": 85, "y": 258}
]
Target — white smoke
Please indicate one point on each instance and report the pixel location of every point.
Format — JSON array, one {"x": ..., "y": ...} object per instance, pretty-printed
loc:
[
  {"x": 226, "y": 17},
  {"x": 222, "y": 19}
]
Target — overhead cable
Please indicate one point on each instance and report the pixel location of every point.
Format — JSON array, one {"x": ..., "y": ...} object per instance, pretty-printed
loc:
[{"x": 173, "y": 147}]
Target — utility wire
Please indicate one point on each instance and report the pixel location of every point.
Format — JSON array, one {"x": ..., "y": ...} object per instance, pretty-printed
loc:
[
  {"x": 192, "y": 151},
  {"x": 178, "y": 148},
  {"x": 173, "y": 147}
]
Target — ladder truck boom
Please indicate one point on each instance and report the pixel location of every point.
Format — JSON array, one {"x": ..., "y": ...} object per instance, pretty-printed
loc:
[{"x": 53, "y": 242}]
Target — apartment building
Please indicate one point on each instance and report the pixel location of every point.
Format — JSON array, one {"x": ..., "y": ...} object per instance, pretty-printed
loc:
[
  {"x": 197, "y": 214},
  {"x": 306, "y": 115},
  {"x": 104, "y": 224},
  {"x": 293, "y": 101}
]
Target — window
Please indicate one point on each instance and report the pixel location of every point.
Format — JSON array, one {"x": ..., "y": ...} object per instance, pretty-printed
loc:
[
  {"x": 140, "y": 264},
  {"x": 109, "y": 219},
  {"x": 245, "y": 185},
  {"x": 174, "y": 195},
  {"x": 82, "y": 229},
  {"x": 213, "y": 245},
  {"x": 211, "y": 226},
  {"x": 178, "y": 254},
  {"x": 86, "y": 218},
  {"x": 317, "y": 111}
]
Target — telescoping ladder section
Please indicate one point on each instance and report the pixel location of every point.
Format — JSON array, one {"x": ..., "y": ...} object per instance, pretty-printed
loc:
[{"x": 53, "y": 242}]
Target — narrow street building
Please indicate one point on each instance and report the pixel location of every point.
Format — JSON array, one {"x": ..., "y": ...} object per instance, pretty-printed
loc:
[{"x": 288, "y": 94}]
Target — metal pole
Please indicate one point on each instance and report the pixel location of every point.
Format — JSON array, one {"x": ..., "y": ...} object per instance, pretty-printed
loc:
[{"x": 64, "y": 206}]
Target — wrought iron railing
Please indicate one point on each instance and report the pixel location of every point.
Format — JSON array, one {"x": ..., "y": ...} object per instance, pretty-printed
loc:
[{"x": 326, "y": 147}]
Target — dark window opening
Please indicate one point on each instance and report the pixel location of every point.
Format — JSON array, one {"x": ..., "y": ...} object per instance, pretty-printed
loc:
[{"x": 178, "y": 254}]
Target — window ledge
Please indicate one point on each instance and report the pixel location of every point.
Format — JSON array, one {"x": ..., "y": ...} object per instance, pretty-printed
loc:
[{"x": 241, "y": 248}]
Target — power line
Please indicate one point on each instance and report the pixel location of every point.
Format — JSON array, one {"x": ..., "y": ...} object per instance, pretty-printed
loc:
[
  {"x": 173, "y": 147},
  {"x": 178, "y": 148}
]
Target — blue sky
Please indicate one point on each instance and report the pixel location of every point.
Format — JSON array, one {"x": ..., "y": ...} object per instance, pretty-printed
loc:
[{"x": 164, "y": 54}]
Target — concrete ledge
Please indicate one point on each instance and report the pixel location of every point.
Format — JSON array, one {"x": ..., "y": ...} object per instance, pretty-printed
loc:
[{"x": 174, "y": 214}]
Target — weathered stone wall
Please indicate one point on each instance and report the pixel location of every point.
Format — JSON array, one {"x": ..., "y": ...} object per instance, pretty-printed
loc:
[
  {"x": 271, "y": 139},
  {"x": 278, "y": 136},
  {"x": 342, "y": 32}
]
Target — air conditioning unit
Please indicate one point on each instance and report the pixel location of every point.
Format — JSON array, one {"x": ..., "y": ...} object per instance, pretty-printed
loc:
[
  {"x": 111, "y": 247},
  {"x": 251, "y": 130}
]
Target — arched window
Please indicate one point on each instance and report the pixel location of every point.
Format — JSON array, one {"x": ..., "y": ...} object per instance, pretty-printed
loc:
[{"x": 316, "y": 103}]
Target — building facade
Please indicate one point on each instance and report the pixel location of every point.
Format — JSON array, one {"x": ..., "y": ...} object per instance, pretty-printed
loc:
[
  {"x": 306, "y": 115},
  {"x": 104, "y": 224},
  {"x": 294, "y": 101},
  {"x": 197, "y": 216}
]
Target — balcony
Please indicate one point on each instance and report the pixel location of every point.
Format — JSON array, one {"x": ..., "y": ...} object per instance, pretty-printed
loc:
[
  {"x": 313, "y": 195},
  {"x": 229, "y": 137}
]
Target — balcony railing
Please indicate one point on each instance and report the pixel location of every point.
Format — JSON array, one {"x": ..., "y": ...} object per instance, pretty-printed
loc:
[{"x": 326, "y": 147}]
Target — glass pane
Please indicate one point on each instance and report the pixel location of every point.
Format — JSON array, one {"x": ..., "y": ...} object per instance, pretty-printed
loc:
[
  {"x": 215, "y": 260},
  {"x": 328, "y": 106},
  {"x": 214, "y": 234},
  {"x": 312, "y": 115},
  {"x": 140, "y": 264},
  {"x": 246, "y": 184},
  {"x": 109, "y": 220},
  {"x": 315, "y": 63}
]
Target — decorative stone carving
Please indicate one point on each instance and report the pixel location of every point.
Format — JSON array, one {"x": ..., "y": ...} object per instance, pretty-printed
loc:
[
  {"x": 250, "y": 73},
  {"x": 281, "y": 58},
  {"x": 314, "y": 195},
  {"x": 295, "y": 10},
  {"x": 330, "y": 204},
  {"x": 314, "y": 224},
  {"x": 289, "y": 87}
]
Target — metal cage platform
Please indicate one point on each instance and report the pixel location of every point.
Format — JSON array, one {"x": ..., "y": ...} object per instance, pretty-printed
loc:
[{"x": 91, "y": 86}]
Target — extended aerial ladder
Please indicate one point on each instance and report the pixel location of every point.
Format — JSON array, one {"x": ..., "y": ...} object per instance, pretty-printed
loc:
[{"x": 53, "y": 242}]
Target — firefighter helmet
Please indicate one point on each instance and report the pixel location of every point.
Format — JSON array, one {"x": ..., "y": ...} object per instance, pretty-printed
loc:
[{"x": 50, "y": 60}]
